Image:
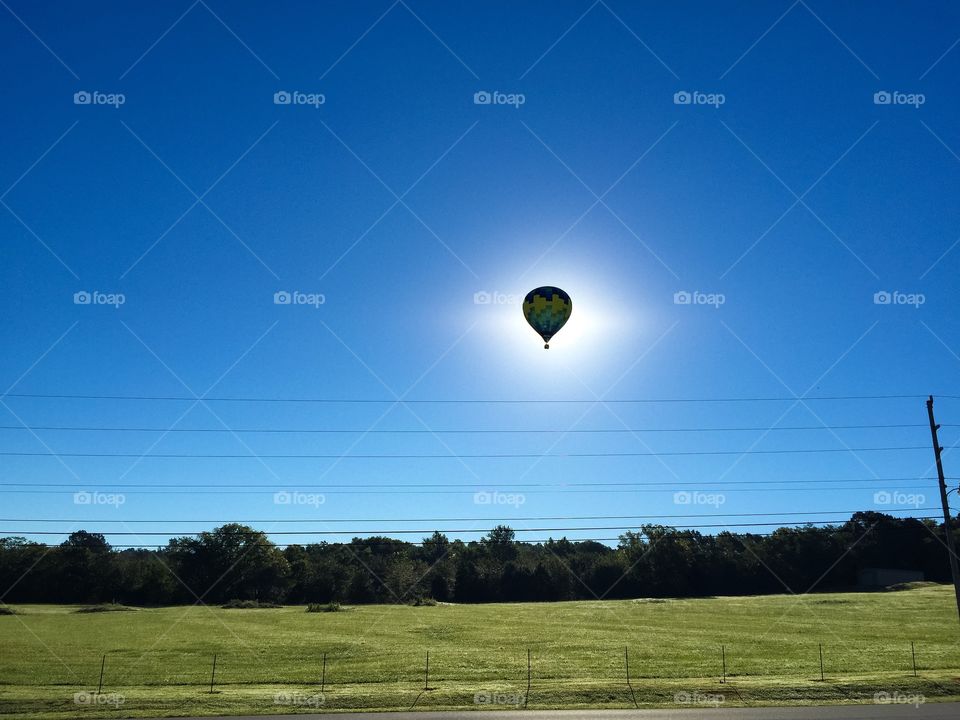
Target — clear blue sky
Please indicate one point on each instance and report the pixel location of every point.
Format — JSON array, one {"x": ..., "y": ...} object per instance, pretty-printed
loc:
[{"x": 795, "y": 196}]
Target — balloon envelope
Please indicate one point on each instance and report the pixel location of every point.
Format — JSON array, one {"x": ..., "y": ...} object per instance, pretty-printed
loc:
[{"x": 547, "y": 309}]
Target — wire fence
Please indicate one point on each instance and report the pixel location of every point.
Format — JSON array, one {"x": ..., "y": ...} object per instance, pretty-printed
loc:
[{"x": 808, "y": 661}]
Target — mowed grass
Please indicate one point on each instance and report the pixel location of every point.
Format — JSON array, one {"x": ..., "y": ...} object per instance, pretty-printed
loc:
[{"x": 158, "y": 661}]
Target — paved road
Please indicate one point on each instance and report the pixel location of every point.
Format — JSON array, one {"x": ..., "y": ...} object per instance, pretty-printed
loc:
[{"x": 930, "y": 711}]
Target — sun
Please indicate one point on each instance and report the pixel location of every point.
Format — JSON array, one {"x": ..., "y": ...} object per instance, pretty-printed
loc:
[{"x": 592, "y": 337}]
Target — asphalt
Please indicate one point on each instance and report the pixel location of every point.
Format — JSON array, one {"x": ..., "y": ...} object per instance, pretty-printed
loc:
[{"x": 895, "y": 711}]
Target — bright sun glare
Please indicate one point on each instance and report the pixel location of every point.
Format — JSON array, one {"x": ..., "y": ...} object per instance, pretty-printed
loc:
[{"x": 588, "y": 339}]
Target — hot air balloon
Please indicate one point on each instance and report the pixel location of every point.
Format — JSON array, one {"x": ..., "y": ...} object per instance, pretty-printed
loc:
[{"x": 547, "y": 309}]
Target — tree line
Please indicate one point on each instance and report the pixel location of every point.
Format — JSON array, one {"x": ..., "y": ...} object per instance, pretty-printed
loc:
[{"x": 236, "y": 562}]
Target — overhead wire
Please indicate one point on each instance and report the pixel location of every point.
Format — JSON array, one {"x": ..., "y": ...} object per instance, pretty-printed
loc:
[{"x": 409, "y": 401}]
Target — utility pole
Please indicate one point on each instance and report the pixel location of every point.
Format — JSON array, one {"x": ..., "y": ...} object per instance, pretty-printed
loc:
[{"x": 947, "y": 522}]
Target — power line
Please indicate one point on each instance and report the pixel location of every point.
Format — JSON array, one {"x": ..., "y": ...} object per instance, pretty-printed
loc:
[
  {"x": 450, "y": 431},
  {"x": 447, "y": 531},
  {"x": 512, "y": 401},
  {"x": 448, "y": 492},
  {"x": 472, "y": 456},
  {"x": 474, "y": 519},
  {"x": 521, "y": 541},
  {"x": 336, "y": 544},
  {"x": 467, "y": 486}
]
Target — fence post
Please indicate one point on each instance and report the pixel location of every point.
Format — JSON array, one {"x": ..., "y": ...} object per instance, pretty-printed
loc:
[
  {"x": 103, "y": 661},
  {"x": 213, "y": 672},
  {"x": 626, "y": 658},
  {"x": 323, "y": 675},
  {"x": 821, "y": 661},
  {"x": 913, "y": 654},
  {"x": 426, "y": 674},
  {"x": 526, "y": 697},
  {"x": 723, "y": 658}
]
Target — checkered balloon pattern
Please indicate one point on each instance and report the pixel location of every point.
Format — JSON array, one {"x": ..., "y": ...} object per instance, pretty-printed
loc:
[{"x": 547, "y": 309}]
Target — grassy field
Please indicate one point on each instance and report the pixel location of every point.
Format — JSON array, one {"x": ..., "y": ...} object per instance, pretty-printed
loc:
[{"x": 158, "y": 661}]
